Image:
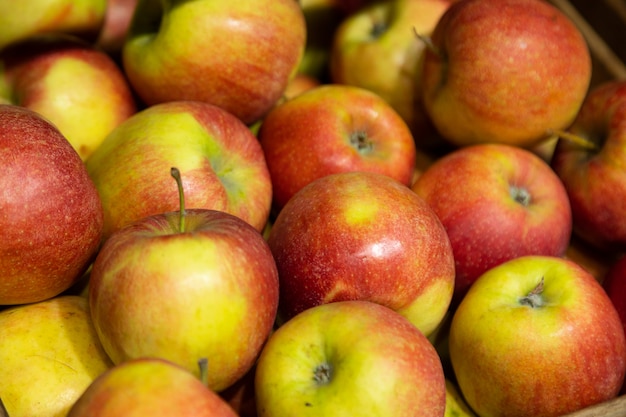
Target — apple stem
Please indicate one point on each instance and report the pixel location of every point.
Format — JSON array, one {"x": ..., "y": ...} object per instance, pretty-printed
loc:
[
  {"x": 428, "y": 42},
  {"x": 576, "y": 139},
  {"x": 181, "y": 197},
  {"x": 534, "y": 299},
  {"x": 203, "y": 364}
]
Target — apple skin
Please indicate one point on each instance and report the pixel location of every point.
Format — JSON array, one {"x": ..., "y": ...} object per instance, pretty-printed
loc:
[
  {"x": 220, "y": 160},
  {"x": 363, "y": 236},
  {"x": 23, "y": 19},
  {"x": 209, "y": 292},
  {"x": 50, "y": 213},
  {"x": 50, "y": 353},
  {"x": 149, "y": 387},
  {"x": 376, "y": 48},
  {"x": 74, "y": 85},
  {"x": 475, "y": 192},
  {"x": 349, "y": 358},
  {"x": 239, "y": 56},
  {"x": 561, "y": 355},
  {"x": 504, "y": 72},
  {"x": 331, "y": 129},
  {"x": 595, "y": 179}
]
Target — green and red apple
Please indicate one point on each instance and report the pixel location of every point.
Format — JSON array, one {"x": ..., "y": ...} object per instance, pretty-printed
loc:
[
  {"x": 238, "y": 55},
  {"x": 496, "y": 202},
  {"x": 331, "y": 129},
  {"x": 51, "y": 216},
  {"x": 354, "y": 358},
  {"x": 221, "y": 161},
  {"x": 50, "y": 353},
  {"x": 363, "y": 236},
  {"x": 74, "y": 85},
  {"x": 590, "y": 159},
  {"x": 506, "y": 71},
  {"x": 149, "y": 387},
  {"x": 537, "y": 336},
  {"x": 185, "y": 285}
]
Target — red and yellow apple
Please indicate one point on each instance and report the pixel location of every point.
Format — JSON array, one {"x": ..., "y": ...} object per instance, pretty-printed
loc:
[{"x": 363, "y": 236}]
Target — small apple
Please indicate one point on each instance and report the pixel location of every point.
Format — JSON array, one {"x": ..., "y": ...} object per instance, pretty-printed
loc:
[
  {"x": 363, "y": 236},
  {"x": 239, "y": 56},
  {"x": 50, "y": 213},
  {"x": 20, "y": 20},
  {"x": 376, "y": 48},
  {"x": 537, "y": 336},
  {"x": 220, "y": 159},
  {"x": 504, "y": 71},
  {"x": 184, "y": 285},
  {"x": 330, "y": 129},
  {"x": 349, "y": 358},
  {"x": 50, "y": 353},
  {"x": 149, "y": 387},
  {"x": 590, "y": 159},
  {"x": 497, "y": 202},
  {"x": 74, "y": 85}
]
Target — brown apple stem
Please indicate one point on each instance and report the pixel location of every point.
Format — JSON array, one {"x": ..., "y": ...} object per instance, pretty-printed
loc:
[
  {"x": 181, "y": 198},
  {"x": 533, "y": 299},
  {"x": 203, "y": 364},
  {"x": 428, "y": 42},
  {"x": 576, "y": 139}
]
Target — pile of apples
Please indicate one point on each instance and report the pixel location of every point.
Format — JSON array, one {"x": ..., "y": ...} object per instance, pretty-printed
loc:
[{"x": 316, "y": 207}]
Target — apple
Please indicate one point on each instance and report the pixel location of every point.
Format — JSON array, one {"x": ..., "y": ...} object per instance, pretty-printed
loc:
[
  {"x": 354, "y": 358},
  {"x": 376, "y": 48},
  {"x": 590, "y": 160},
  {"x": 149, "y": 387},
  {"x": 221, "y": 161},
  {"x": 184, "y": 285},
  {"x": 496, "y": 202},
  {"x": 363, "y": 236},
  {"x": 614, "y": 284},
  {"x": 50, "y": 213},
  {"x": 504, "y": 71},
  {"x": 74, "y": 85},
  {"x": 117, "y": 20},
  {"x": 239, "y": 56},
  {"x": 20, "y": 20},
  {"x": 49, "y": 355},
  {"x": 330, "y": 129},
  {"x": 537, "y": 336}
]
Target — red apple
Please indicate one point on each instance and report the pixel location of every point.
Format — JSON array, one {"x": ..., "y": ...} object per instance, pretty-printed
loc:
[
  {"x": 238, "y": 55},
  {"x": 504, "y": 71},
  {"x": 592, "y": 165},
  {"x": 350, "y": 358},
  {"x": 537, "y": 336},
  {"x": 330, "y": 129},
  {"x": 186, "y": 285},
  {"x": 363, "y": 236},
  {"x": 497, "y": 202},
  {"x": 221, "y": 161},
  {"x": 50, "y": 213},
  {"x": 149, "y": 387},
  {"x": 77, "y": 87}
]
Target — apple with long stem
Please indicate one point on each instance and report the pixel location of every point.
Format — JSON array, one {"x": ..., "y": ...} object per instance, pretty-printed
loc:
[{"x": 183, "y": 285}]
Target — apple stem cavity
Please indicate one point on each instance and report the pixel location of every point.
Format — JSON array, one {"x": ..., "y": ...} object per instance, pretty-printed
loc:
[
  {"x": 175, "y": 172},
  {"x": 520, "y": 195},
  {"x": 359, "y": 141},
  {"x": 203, "y": 364},
  {"x": 575, "y": 139},
  {"x": 323, "y": 374},
  {"x": 534, "y": 299}
]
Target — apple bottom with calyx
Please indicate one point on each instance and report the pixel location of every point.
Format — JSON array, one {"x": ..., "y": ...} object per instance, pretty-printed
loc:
[
  {"x": 353, "y": 358},
  {"x": 184, "y": 285},
  {"x": 150, "y": 387},
  {"x": 537, "y": 336}
]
